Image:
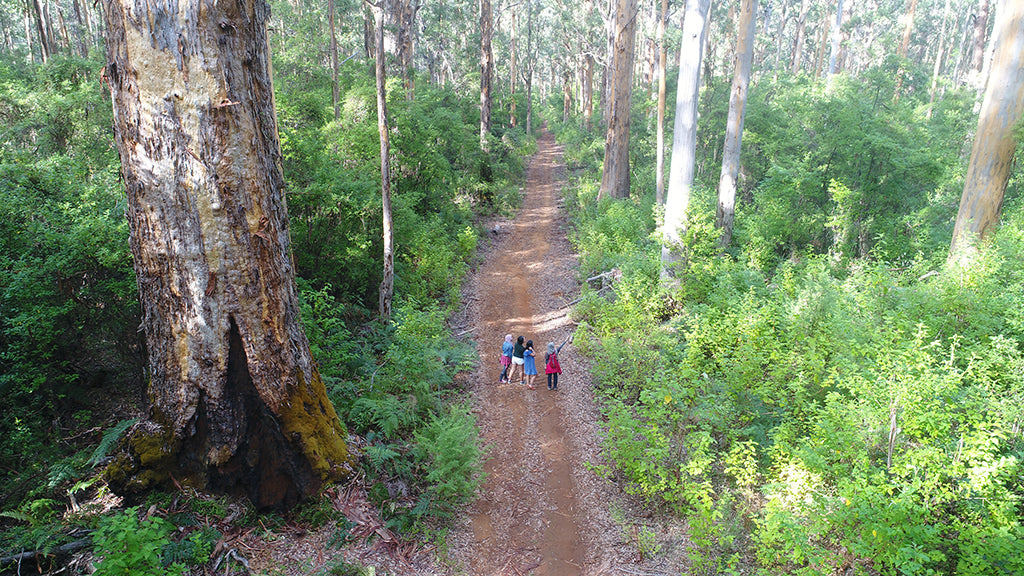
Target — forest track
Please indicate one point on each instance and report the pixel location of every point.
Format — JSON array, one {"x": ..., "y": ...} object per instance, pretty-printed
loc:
[{"x": 541, "y": 510}]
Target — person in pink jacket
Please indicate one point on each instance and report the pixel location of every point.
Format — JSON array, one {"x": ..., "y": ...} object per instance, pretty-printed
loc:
[{"x": 551, "y": 366}]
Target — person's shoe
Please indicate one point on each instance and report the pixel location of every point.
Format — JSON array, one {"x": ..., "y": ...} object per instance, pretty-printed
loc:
[{"x": 555, "y": 388}]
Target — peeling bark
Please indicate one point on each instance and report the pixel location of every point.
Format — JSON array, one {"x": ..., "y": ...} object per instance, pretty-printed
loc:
[{"x": 237, "y": 403}]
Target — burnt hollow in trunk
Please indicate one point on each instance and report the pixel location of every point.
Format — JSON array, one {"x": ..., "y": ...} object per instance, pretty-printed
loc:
[{"x": 264, "y": 467}]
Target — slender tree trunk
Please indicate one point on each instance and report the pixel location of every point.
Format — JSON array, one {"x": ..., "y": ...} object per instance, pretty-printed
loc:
[
  {"x": 237, "y": 403},
  {"x": 530, "y": 63},
  {"x": 938, "y": 61},
  {"x": 28, "y": 31},
  {"x": 588, "y": 89},
  {"x": 994, "y": 143},
  {"x": 80, "y": 38},
  {"x": 980, "y": 27},
  {"x": 734, "y": 126},
  {"x": 566, "y": 95},
  {"x": 608, "y": 79},
  {"x": 659, "y": 178},
  {"x": 798, "y": 37},
  {"x": 41, "y": 28},
  {"x": 783, "y": 20},
  {"x": 335, "y": 90},
  {"x": 684, "y": 134},
  {"x": 845, "y": 45},
  {"x": 486, "y": 72},
  {"x": 512, "y": 64},
  {"x": 615, "y": 177},
  {"x": 820, "y": 62},
  {"x": 387, "y": 283},
  {"x": 908, "y": 29},
  {"x": 836, "y": 39},
  {"x": 962, "y": 51}
]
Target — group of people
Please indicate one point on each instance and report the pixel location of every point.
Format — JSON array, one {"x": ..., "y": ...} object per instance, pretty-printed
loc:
[{"x": 521, "y": 358}]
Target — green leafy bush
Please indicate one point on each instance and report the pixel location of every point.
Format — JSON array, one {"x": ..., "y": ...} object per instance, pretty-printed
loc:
[{"x": 129, "y": 546}]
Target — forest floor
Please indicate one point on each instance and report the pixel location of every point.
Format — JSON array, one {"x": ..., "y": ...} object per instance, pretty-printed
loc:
[{"x": 542, "y": 510}]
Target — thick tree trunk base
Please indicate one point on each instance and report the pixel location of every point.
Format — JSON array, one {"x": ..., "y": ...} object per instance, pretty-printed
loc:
[{"x": 282, "y": 458}]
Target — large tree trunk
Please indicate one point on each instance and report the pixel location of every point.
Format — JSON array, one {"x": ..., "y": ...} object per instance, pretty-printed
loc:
[
  {"x": 684, "y": 134},
  {"x": 237, "y": 403},
  {"x": 734, "y": 126},
  {"x": 387, "y": 283},
  {"x": 994, "y": 144},
  {"x": 486, "y": 72},
  {"x": 659, "y": 177},
  {"x": 615, "y": 178}
]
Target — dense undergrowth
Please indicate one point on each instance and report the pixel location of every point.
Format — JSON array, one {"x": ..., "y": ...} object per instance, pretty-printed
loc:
[
  {"x": 829, "y": 394},
  {"x": 71, "y": 357}
]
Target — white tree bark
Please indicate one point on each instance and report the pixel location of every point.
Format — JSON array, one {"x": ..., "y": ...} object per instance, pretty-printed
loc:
[{"x": 684, "y": 133}]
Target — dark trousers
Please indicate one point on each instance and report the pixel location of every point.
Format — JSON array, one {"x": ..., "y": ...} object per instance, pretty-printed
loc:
[{"x": 553, "y": 381}]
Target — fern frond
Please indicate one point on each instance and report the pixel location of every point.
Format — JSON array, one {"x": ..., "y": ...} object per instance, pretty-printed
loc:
[{"x": 110, "y": 438}]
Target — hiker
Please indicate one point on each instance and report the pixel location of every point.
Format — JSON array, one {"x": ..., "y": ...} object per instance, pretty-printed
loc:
[
  {"x": 530, "y": 364},
  {"x": 551, "y": 366},
  {"x": 506, "y": 358},
  {"x": 517, "y": 361}
]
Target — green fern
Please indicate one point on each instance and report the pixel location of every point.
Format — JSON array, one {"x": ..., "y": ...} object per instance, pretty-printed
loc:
[{"x": 110, "y": 438}]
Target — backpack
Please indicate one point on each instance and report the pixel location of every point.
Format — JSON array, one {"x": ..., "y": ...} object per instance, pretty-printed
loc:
[{"x": 553, "y": 367}]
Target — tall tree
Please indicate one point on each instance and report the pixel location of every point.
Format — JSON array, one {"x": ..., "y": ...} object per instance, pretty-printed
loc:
[
  {"x": 835, "y": 38},
  {"x": 994, "y": 142},
  {"x": 42, "y": 28},
  {"x": 512, "y": 75},
  {"x": 486, "y": 72},
  {"x": 684, "y": 133},
  {"x": 908, "y": 28},
  {"x": 530, "y": 65},
  {"x": 980, "y": 26},
  {"x": 939, "y": 52},
  {"x": 734, "y": 125},
  {"x": 335, "y": 90},
  {"x": 387, "y": 283},
  {"x": 659, "y": 177},
  {"x": 238, "y": 405},
  {"x": 615, "y": 177},
  {"x": 798, "y": 37}
]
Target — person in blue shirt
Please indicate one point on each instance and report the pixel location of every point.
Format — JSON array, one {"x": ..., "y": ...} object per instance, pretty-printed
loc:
[
  {"x": 529, "y": 364},
  {"x": 506, "y": 358}
]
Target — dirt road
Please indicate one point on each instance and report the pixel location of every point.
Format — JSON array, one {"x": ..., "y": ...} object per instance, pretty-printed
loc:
[{"x": 541, "y": 511}]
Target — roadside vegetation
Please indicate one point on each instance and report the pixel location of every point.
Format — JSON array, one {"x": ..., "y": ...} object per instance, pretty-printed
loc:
[{"x": 828, "y": 393}]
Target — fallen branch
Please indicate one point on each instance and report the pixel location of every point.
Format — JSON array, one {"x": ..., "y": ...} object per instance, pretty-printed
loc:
[
  {"x": 58, "y": 551},
  {"x": 580, "y": 299}
]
